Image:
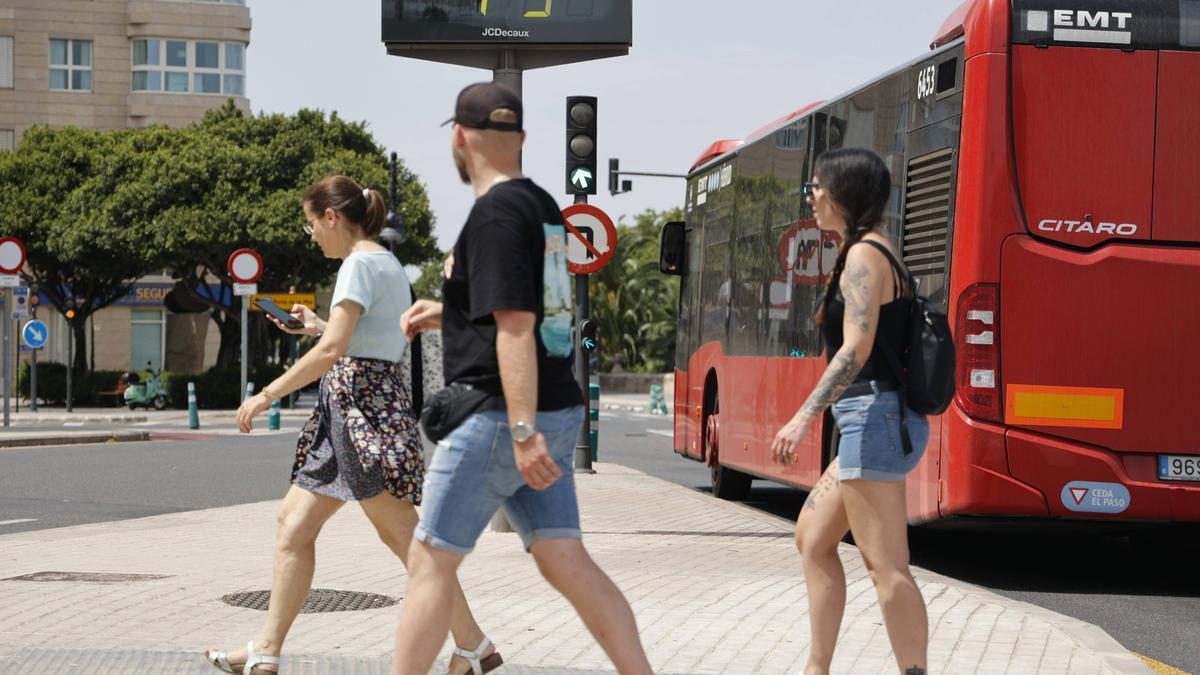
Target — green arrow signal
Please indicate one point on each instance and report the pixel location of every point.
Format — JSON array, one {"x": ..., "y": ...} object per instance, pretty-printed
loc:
[{"x": 582, "y": 178}]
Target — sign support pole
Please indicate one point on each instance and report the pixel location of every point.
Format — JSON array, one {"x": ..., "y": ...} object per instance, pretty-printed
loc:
[
  {"x": 583, "y": 446},
  {"x": 245, "y": 341},
  {"x": 8, "y": 304},
  {"x": 33, "y": 380},
  {"x": 70, "y": 361}
]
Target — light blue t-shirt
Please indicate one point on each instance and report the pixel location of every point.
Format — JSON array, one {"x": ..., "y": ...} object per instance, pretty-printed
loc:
[{"x": 375, "y": 281}]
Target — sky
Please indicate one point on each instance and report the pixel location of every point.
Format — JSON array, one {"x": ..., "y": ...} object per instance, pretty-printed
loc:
[{"x": 699, "y": 71}]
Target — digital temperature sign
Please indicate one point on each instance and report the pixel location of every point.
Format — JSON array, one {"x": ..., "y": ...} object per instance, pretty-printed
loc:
[{"x": 508, "y": 23}]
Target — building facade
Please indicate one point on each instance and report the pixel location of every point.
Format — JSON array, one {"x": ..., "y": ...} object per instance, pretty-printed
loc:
[{"x": 111, "y": 64}]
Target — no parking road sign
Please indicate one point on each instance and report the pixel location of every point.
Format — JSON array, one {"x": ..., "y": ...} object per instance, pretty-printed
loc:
[
  {"x": 34, "y": 334},
  {"x": 591, "y": 240}
]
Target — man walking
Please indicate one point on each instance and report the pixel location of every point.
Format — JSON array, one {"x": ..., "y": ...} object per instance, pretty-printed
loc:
[{"x": 506, "y": 333}]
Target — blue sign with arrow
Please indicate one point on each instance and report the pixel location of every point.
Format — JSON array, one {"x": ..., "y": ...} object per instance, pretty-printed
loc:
[{"x": 34, "y": 334}]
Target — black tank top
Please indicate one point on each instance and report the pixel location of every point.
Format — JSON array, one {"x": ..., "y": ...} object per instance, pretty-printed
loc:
[{"x": 893, "y": 323}]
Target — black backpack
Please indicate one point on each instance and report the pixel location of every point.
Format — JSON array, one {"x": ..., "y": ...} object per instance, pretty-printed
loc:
[{"x": 926, "y": 376}]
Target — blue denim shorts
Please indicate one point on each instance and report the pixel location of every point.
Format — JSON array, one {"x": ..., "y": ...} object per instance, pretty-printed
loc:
[
  {"x": 870, "y": 447},
  {"x": 473, "y": 473}
]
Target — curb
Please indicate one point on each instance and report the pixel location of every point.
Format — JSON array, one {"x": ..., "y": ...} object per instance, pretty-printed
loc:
[{"x": 76, "y": 439}]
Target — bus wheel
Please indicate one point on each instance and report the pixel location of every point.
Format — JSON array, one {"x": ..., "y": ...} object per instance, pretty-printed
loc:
[{"x": 726, "y": 483}]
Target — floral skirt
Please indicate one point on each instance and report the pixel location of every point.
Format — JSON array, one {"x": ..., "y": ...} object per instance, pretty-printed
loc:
[{"x": 362, "y": 437}]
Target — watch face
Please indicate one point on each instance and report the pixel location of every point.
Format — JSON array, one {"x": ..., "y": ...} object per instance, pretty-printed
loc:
[{"x": 521, "y": 432}]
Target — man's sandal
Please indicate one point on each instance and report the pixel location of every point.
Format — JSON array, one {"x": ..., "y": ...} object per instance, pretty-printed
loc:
[
  {"x": 220, "y": 661},
  {"x": 481, "y": 666}
]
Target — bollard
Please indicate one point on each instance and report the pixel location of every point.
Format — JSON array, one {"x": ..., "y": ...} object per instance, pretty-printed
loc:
[
  {"x": 594, "y": 414},
  {"x": 249, "y": 390},
  {"x": 658, "y": 403},
  {"x": 273, "y": 416},
  {"x": 193, "y": 410}
]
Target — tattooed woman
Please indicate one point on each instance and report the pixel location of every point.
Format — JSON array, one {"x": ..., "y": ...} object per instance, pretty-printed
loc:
[{"x": 866, "y": 304}]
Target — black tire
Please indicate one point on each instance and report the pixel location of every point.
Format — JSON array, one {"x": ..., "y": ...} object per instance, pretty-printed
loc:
[
  {"x": 160, "y": 402},
  {"x": 727, "y": 483},
  {"x": 132, "y": 405},
  {"x": 730, "y": 485}
]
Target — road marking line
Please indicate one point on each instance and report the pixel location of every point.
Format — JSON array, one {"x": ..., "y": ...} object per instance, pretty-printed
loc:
[
  {"x": 1160, "y": 667},
  {"x": 72, "y": 424},
  {"x": 18, "y": 520},
  {"x": 660, "y": 432}
]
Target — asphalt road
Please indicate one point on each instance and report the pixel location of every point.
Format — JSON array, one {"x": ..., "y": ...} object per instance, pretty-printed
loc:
[{"x": 1145, "y": 593}]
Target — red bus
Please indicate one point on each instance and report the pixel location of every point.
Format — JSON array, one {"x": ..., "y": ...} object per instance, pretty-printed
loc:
[{"x": 1046, "y": 166}]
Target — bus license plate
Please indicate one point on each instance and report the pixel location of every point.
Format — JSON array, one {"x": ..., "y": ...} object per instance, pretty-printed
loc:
[{"x": 1179, "y": 467}]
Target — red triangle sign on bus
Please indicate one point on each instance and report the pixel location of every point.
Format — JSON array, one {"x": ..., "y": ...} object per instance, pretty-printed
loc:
[{"x": 1079, "y": 493}]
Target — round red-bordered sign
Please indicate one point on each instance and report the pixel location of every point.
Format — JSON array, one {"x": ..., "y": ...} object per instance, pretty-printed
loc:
[
  {"x": 12, "y": 255},
  {"x": 245, "y": 266},
  {"x": 591, "y": 238}
]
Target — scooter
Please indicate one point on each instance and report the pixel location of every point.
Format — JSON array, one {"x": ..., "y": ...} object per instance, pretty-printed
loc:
[{"x": 146, "y": 393}]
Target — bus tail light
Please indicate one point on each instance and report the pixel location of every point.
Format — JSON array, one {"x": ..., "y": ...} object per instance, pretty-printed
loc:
[{"x": 978, "y": 346}]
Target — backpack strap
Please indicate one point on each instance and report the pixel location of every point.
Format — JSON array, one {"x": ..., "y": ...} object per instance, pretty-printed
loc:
[
  {"x": 898, "y": 271},
  {"x": 893, "y": 359}
]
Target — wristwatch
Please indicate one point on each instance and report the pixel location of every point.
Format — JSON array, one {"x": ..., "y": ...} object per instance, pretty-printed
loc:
[{"x": 522, "y": 432}]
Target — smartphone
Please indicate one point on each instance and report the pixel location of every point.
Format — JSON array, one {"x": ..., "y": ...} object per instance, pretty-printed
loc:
[{"x": 266, "y": 305}]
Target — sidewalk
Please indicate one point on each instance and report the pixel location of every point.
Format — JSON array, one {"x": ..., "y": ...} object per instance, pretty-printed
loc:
[{"x": 717, "y": 588}]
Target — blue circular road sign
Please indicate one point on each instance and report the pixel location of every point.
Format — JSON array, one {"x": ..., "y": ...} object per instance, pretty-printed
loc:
[{"x": 34, "y": 334}]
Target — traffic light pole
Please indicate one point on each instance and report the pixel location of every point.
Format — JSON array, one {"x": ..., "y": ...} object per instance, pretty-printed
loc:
[{"x": 583, "y": 446}]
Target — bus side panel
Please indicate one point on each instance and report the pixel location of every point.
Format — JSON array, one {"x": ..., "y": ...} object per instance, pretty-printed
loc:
[
  {"x": 707, "y": 358},
  {"x": 766, "y": 393},
  {"x": 682, "y": 418}
]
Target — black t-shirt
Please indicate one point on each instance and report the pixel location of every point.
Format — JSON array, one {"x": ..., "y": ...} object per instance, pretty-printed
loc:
[{"x": 511, "y": 254}]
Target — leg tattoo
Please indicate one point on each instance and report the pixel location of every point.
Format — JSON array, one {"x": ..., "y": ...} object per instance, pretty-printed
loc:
[
  {"x": 820, "y": 490},
  {"x": 915, "y": 670}
]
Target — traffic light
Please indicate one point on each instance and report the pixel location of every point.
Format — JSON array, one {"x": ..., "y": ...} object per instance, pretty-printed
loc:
[
  {"x": 614, "y": 176},
  {"x": 581, "y": 145}
]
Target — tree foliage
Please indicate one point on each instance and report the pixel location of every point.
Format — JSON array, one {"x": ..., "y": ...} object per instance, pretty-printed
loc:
[
  {"x": 99, "y": 210},
  {"x": 633, "y": 304}
]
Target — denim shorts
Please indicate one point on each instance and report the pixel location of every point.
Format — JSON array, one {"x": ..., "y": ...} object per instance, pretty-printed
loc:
[
  {"x": 473, "y": 473},
  {"x": 870, "y": 446}
]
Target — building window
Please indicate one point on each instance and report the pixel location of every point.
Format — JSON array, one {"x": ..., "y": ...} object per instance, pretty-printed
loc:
[
  {"x": 187, "y": 66},
  {"x": 70, "y": 65},
  {"x": 6, "y": 62},
  {"x": 146, "y": 344},
  {"x": 7, "y": 139}
]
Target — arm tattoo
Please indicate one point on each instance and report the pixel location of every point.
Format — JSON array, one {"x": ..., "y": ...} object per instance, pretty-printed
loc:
[
  {"x": 862, "y": 311},
  {"x": 840, "y": 373},
  {"x": 856, "y": 289}
]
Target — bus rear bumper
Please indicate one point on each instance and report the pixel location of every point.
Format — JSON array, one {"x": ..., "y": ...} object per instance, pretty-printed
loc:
[{"x": 1081, "y": 481}]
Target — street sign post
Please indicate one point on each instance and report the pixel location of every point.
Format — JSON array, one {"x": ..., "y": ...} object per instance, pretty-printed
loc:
[
  {"x": 12, "y": 259},
  {"x": 591, "y": 243},
  {"x": 34, "y": 334},
  {"x": 245, "y": 266}
]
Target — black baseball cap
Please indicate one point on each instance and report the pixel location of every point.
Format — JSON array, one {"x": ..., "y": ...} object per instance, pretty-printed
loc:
[{"x": 478, "y": 103}]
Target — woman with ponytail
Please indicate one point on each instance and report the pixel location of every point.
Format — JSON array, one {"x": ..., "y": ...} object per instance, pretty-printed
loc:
[
  {"x": 867, "y": 304},
  {"x": 361, "y": 442}
]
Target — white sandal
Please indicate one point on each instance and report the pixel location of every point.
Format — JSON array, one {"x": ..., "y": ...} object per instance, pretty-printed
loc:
[
  {"x": 481, "y": 666},
  {"x": 220, "y": 660}
]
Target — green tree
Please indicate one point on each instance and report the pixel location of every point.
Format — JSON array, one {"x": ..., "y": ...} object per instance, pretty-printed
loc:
[
  {"x": 428, "y": 286},
  {"x": 81, "y": 254},
  {"x": 236, "y": 181},
  {"x": 632, "y": 303}
]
